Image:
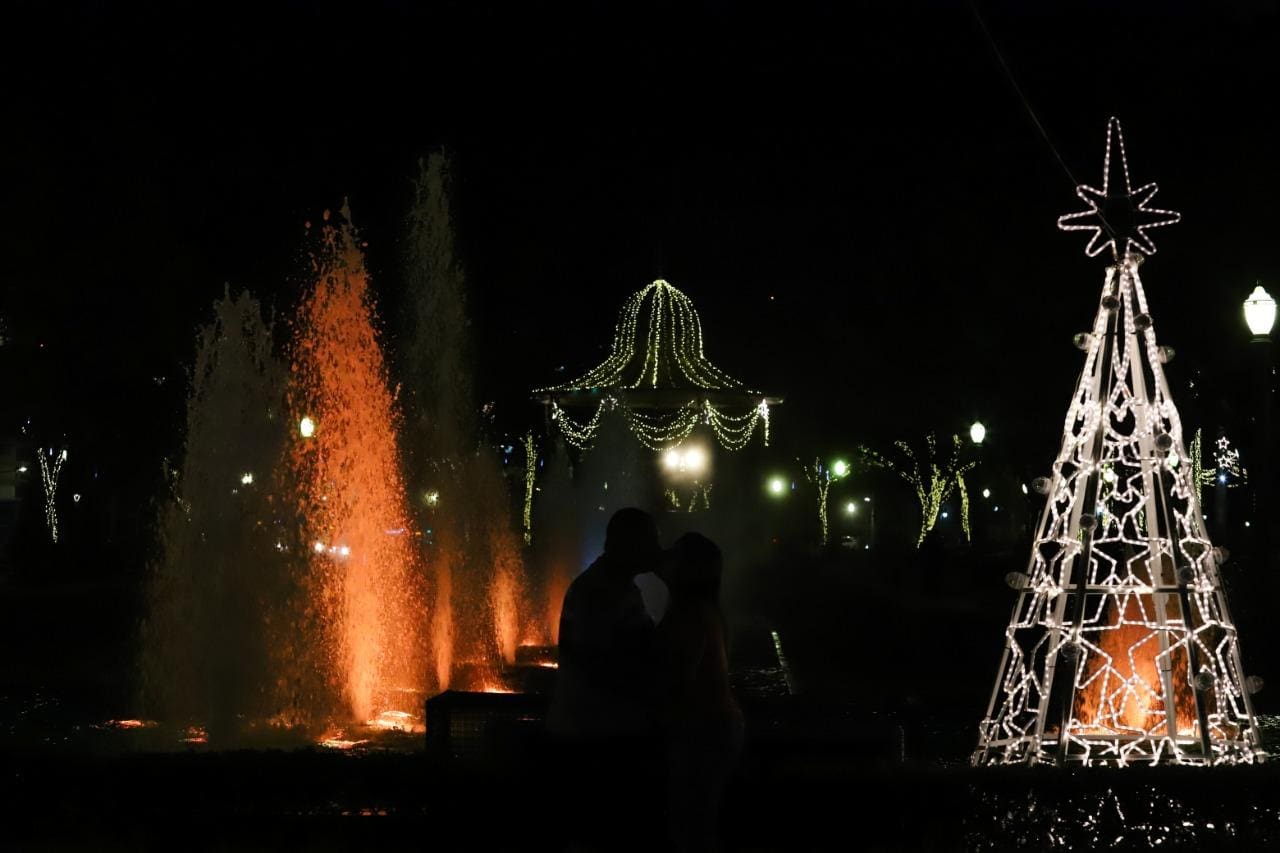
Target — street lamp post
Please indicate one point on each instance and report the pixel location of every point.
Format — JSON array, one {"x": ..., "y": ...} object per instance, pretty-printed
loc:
[
  {"x": 1260, "y": 317},
  {"x": 871, "y": 530},
  {"x": 978, "y": 434}
]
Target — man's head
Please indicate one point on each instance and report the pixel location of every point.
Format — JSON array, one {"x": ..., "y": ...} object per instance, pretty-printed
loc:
[{"x": 631, "y": 539}]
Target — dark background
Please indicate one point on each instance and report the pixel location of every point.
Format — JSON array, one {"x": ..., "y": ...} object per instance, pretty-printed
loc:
[{"x": 853, "y": 194}]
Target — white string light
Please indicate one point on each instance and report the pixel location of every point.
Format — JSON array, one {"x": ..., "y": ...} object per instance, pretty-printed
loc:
[
  {"x": 1134, "y": 237},
  {"x": 1121, "y": 648}
]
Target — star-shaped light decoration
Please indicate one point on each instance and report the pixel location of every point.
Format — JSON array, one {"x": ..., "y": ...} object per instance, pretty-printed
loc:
[{"x": 1118, "y": 215}]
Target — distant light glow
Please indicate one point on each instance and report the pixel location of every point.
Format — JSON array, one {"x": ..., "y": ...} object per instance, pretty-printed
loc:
[
  {"x": 851, "y": 507},
  {"x": 977, "y": 432},
  {"x": 986, "y": 493},
  {"x": 777, "y": 486},
  {"x": 307, "y": 426},
  {"x": 246, "y": 479},
  {"x": 839, "y": 468}
]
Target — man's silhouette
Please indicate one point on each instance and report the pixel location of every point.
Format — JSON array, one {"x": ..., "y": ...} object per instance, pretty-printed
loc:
[
  {"x": 603, "y": 710},
  {"x": 605, "y": 684}
]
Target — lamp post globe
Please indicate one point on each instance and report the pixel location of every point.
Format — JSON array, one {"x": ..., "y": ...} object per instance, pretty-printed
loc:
[
  {"x": 1260, "y": 312},
  {"x": 977, "y": 432}
]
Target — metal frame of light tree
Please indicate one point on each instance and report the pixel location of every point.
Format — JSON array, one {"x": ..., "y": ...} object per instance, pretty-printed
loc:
[
  {"x": 649, "y": 363},
  {"x": 1121, "y": 558}
]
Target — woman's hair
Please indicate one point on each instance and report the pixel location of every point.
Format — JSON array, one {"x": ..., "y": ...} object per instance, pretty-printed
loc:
[{"x": 697, "y": 567}]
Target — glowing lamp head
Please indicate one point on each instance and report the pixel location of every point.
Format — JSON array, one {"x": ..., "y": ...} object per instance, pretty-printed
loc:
[
  {"x": 777, "y": 486},
  {"x": 306, "y": 427},
  {"x": 689, "y": 460},
  {"x": 1260, "y": 312},
  {"x": 986, "y": 493},
  {"x": 851, "y": 508},
  {"x": 839, "y": 468},
  {"x": 977, "y": 432},
  {"x": 246, "y": 479}
]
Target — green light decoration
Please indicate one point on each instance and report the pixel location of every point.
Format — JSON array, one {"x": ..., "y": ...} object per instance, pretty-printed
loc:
[
  {"x": 658, "y": 375},
  {"x": 530, "y": 475},
  {"x": 932, "y": 478},
  {"x": 1226, "y": 461},
  {"x": 821, "y": 476},
  {"x": 701, "y": 495}
]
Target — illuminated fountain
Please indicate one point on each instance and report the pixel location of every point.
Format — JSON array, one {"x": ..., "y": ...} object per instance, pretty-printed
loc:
[
  {"x": 366, "y": 591},
  {"x": 474, "y": 552},
  {"x": 298, "y": 587},
  {"x": 1121, "y": 648},
  {"x": 217, "y": 635}
]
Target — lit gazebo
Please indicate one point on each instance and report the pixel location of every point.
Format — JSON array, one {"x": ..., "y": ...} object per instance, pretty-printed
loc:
[{"x": 659, "y": 378}]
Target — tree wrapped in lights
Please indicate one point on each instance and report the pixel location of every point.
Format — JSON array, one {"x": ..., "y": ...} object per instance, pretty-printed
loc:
[
  {"x": 821, "y": 476},
  {"x": 1121, "y": 648},
  {"x": 660, "y": 380},
  {"x": 49, "y": 472},
  {"x": 933, "y": 478}
]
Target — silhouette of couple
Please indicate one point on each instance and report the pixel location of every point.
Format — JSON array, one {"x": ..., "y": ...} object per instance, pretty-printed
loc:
[{"x": 644, "y": 714}]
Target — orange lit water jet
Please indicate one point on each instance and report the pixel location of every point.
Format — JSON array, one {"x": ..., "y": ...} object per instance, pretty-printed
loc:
[
  {"x": 504, "y": 594},
  {"x": 365, "y": 585}
]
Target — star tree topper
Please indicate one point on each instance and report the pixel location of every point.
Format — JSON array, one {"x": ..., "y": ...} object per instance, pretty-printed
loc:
[{"x": 1118, "y": 215}]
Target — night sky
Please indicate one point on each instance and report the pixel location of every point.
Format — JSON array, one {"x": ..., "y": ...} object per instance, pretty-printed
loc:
[{"x": 853, "y": 194}]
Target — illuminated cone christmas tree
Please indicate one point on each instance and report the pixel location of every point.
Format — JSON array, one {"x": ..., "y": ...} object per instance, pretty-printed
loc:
[{"x": 1121, "y": 648}]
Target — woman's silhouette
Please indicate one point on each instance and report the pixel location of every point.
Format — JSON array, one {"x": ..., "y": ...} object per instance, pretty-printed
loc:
[{"x": 702, "y": 722}]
